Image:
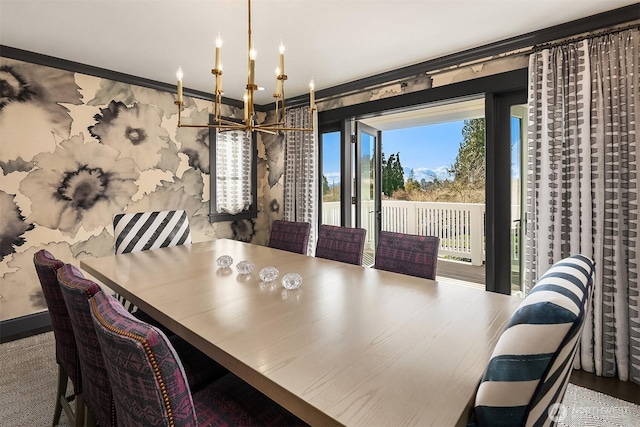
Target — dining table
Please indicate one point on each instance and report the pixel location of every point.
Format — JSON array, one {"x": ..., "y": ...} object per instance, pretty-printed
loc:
[{"x": 351, "y": 346}]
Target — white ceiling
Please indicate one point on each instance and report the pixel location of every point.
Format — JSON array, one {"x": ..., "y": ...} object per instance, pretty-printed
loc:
[{"x": 331, "y": 41}]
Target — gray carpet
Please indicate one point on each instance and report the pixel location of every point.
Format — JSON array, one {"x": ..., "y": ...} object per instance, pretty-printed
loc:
[{"x": 29, "y": 376}]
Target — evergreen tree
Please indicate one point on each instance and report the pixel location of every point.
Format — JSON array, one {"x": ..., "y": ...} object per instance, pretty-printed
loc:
[
  {"x": 392, "y": 174},
  {"x": 469, "y": 167},
  {"x": 325, "y": 185}
]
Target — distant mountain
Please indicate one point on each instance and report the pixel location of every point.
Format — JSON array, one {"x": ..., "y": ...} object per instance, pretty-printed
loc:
[{"x": 429, "y": 175}]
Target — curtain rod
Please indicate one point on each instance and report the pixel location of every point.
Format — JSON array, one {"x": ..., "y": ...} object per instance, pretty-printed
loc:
[{"x": 575, "y": 39}]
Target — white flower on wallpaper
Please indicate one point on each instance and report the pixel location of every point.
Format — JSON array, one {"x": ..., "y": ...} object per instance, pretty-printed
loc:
[
  {"x": 128, "y": 94},
  {"x": 43, "y": 87},
  {"x": 137, "y": 133},
  {"x": 12, "y": 226},
  {"x": 101, "y": 245},
  {"x": 181, "y": 194},
  {"x": 79, "y": 184},
  {"x": 20, "y": 288},
  {"x": 195, "y": 141}
]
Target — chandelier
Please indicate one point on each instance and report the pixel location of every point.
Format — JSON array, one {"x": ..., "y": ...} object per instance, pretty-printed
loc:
[{"x": 249, "y": 121}]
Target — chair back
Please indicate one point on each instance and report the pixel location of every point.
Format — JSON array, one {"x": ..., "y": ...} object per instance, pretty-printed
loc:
[
  {"x": 47, "y": 267},
  {"x": 290, "y": 236},
  {"x": 144, "y": 369},
  {"x": 96, "y": 388},
  {"x": 149, "y": 230},
  {"x": 408, "y": 254},
  {"x": 530, "y": 367},
  {"x": 344, "y": 244}
]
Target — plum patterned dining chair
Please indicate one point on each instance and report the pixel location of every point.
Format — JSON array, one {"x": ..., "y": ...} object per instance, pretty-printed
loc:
[
  {"x": 344, "y": 244},
  {"x": 140, "y": 231},
  {"x": 408, "y": 254},
  {"x": 290, "y": 236},
  {"x": 145, "y": 373},
  {"x": 66, "y": 351},
  {"x": 77, "y": 291},
  {"x": 529, "y": 370}
]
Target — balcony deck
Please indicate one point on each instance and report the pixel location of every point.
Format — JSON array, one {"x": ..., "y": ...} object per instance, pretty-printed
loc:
[{"x": 461, "y": 273}]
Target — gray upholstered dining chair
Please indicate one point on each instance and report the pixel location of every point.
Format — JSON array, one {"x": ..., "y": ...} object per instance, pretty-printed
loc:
[
  {"x": 344, "y": 244},
  {"x": 77, "y": 291},
  {"x": 290, "y": 236},
  {"x": 408, "y": 254},
  {"x": 145, "y": 373},
  {"x": 140, "y": 231},
  {"x": 47, "y": 266},
  {"x": 529, "y": 369}
]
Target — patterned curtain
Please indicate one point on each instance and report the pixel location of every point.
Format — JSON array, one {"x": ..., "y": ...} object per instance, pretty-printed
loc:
[
  {"x": 582, "y": 196},
  {"x": 233, "y": 171},
  {"x": 301, "y": 171}
]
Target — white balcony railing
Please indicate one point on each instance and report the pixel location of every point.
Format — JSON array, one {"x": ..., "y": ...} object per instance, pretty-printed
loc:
[{"x": 460, "y": 226}]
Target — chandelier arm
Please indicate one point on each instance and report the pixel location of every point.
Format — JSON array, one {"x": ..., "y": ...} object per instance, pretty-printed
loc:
[{"x": 248, "y": 125}]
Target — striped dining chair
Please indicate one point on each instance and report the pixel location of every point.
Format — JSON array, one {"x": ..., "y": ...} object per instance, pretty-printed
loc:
[
  {"x": 145, "y": 373},
  {"x": 408, "y": 254},
  {"x": 528, "y": 373},
  {"x": 290, "y": 236},
  {"x": 140, "y": 231},
  {"x": 344, "y": 244}
]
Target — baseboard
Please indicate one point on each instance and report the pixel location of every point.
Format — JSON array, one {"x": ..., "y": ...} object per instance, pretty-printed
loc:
[{"x": 24, "y": 326}]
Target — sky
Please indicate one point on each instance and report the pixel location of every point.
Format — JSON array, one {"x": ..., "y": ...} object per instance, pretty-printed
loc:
[
  {"x": 423, "y": 149},
  {"x": 428, "y": 150}
]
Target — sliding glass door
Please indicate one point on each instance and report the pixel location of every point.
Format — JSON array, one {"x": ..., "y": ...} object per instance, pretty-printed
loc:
[
  {"x": 367, "y": 174},
  {"x": 518, "y": 191}
]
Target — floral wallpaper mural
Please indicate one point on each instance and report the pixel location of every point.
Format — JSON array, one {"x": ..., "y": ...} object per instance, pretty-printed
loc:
[{"x": 77, "y": 149}]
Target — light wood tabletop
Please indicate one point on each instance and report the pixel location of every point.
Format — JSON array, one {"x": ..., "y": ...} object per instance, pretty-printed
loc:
[{"x": 352, "y": 346}]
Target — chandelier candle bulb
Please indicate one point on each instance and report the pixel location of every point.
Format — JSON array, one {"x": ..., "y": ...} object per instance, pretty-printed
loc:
[
  {"x": 281, "y": 62},
  {"x": 218, "y": 47},
  {"x": 179, "y": 76}
]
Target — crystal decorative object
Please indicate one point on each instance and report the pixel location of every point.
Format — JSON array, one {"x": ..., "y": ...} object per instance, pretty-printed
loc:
[
  {"x": 244, "y": 267},
  {"x": 224, "y": 261},
  {"x": 269, "y": 274},
  {"x": 292, "y": 281}
]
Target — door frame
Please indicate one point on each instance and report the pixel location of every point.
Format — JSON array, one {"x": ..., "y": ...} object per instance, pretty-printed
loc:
[
  {"x": 495, "y": 88},
  {"x": 498, "y": 188}
]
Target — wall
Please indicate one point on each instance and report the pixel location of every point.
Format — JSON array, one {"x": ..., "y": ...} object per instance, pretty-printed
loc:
[{"x": 77, "y": 149}]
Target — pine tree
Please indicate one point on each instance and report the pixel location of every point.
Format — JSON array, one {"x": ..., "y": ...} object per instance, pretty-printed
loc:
[
  {"x": 392, "y": 174},
  {"x": 469, "y": 167},
  {"x": 325, "y": 185}
]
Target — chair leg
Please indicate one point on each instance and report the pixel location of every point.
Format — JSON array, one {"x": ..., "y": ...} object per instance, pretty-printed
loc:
[
  {"x": 80, "y": 411},
  {"x": 90, "y": 418},
  {"x": 63, "y": 379}
]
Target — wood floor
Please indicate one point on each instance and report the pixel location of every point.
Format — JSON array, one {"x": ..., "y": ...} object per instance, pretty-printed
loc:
[
  {"x": 460, "y": 272},
  {"x": 625, "y": 390}
]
